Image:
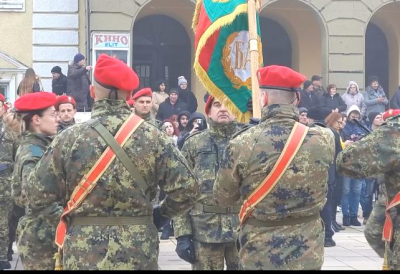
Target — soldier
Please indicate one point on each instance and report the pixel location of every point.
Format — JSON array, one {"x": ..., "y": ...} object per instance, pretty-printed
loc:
[
  {"x": 112, "y": 227},
  {"x": 142, "y": 102},
  {"x": 206, "y": 237},
  {"x": 283, "y": 231},
  {"x": 375, "y": 154},
  {"x": 66, "y": 108},
  {"x": 39, "y": 121}
]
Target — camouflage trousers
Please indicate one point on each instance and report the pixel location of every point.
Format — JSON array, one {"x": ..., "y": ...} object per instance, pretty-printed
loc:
[
  {"x": 373, "y": 229},
  {"x": 124, "y": 247},
  {"x": 36, "y": 243},
  {"x": 5, "y": 210},
  {"x": 211, "y": 256},
  {"x": 291, "y": 247}
]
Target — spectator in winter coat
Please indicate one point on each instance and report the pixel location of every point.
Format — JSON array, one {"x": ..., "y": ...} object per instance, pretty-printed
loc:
[
  {"x": 309, "y": 100},
  {"x": 317, "y": 85},
  {"x": 375, "y": 97},
  {"x": 78, "y": 82},
  {"x": 353, "y": 96},
  {"x": 330, "y": 102},
  {"x": 196, "y": 123},
  {"x": 59, "y": 83},
  {"x": 159, "y": 95},
  {"x": 172, "y": 105},
  {"x": 29, "y": 84},
  {"x": 183, "y": 121},
  {"x": 303, "y": 116},
  {"x": 186, "y": 95},
  {"x": 352, "y": 131},
  {"x": 395, "y": 101}
]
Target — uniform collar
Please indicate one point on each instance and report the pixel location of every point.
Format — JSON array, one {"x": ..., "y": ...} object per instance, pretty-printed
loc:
[
  {"x": 105, "y": 107},
  {"x": 218, "y": 130},
  {"x": 280, "y": 111},
  {"x": 37, "y": 138}
]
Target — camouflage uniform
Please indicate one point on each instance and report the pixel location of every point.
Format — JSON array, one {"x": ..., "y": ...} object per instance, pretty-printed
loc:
[
  {"x": 7, "y": 138},
  {"x": 35, "y": 240},
  {"x": 117, "y": 194},
  {"x": 272, "y": 238},
  {"x": 375, "y": 154},
  {"x": 214, "y": 234},
  {"x": 64, "y": 125}
]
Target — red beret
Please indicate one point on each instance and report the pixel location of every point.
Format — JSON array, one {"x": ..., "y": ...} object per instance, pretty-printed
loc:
[
  {"x": 280, "y": 77},
  {"x": 131, "y": 102},
  {"x": 208, "y": 104},
  {"x": 35, "y": 101},
  {"x": 64, "y": 99},
  {"x": 2, "y": 98},
  {"x": 113, "y": 73},
  {"x": 143, "y": 92},
  {"x": 390, "y": 113}
]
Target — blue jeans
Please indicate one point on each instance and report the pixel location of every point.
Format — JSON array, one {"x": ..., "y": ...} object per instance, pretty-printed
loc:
[
  {"x": 367, "y": 192},
  {"x": 351, "y": 196}
]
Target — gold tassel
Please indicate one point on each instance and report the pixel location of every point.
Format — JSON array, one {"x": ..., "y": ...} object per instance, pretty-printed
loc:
[
  {"x": 57, "y": 257},
  {"x": 385, "y": 265}
]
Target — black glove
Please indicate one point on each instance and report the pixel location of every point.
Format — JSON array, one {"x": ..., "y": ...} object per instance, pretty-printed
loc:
[
  {"x": 185, "y": 249},
  {"x": 158, "y": 219},
  {"x": 250, "y": 105}
]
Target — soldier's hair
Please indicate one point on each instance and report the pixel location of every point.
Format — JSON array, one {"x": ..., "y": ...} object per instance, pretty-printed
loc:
[
  {"x": 13, "y": 122},
  {"x": 26, "y": 118},
  {"x": 276, "y": 96},
  {"x": 103, "y": 93}
]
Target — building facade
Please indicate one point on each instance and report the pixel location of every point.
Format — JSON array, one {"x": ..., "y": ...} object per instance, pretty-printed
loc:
[{"x": 341, "y": 40}]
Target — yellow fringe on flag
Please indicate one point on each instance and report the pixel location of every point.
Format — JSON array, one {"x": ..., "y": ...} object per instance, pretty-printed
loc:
[{"x": 196, "y": 16}]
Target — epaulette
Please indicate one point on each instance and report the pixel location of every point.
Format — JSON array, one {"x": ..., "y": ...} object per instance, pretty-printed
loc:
[
  {"x": 245, "y": 128},
  {"x": 36, "y": 151}
]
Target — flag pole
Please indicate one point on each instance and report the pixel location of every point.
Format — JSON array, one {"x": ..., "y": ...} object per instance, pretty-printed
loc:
[{"x": 254, "y": 55}]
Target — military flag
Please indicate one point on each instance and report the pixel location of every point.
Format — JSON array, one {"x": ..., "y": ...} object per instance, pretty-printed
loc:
[{"x": 222, "y": 52}]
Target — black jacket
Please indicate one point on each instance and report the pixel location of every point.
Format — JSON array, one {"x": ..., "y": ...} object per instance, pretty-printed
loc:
[
  {"x": 195, "y": 115},
  {"x": 59, "y": 86},
  {"x": 327, "y": 103},
  {"x": 166, "y": 109},
  {"x": 187, "y": 96},
  {"x": 309, "y": 100},
  {"x": 395, "y": 101},
  {"x": 78, "y": 86}
]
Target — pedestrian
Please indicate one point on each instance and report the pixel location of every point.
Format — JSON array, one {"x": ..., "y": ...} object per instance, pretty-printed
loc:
[
  {"x": 172, "y": 105},
  {"x": 35, "y": 231},
  {"x": 183, "y": 122},
  {"x": 78, "y": 82},
  {"x": 317, "y": 85},
  {"x": 114, "y": 224},
  {"x": 303, "y": 116},
  {"x": 197, "y": 122},
  {"x": 374, "y": 96},
  {"x": 309, "y": 100},
  {"x": 29, "y": 84},
  {"x": 353, "y": 96},
  {"x": 169, "y": 128},
  {"x": 66, "y": 110},
  {"x": 59, "y": 83},
  {"x": 329, "y": 102},
  {"x": 142, "y": 104},
  {"x": 160, "y": 94},
  {"x": 186, "y": 95},
  {"x": 282, "y": 231},
  {"x": 206, "y": 236},
  {"x": 373, "y": 155}
]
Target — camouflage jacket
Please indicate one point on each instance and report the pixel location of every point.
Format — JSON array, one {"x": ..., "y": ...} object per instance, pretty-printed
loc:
[
  {"x": 250, "y": 157},
  {"x": 30, "y": 150},
  {"x": 203, "y": 152},
  {"x": 64, "y": 125},
  {"x": 75, "y": 150}
]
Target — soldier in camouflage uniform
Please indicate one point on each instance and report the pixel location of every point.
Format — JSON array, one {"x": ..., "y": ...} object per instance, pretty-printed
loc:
[
  {"x": 284, "y": 231},
  {"x": 142, "y": 103},
  {"x": 375, "y": 154},
  {"x": 113, "y": 227},
  {"x": 35, "y": 233},
  {"x": 209, "y": 231},
  {"x": 66, "y": 108}
]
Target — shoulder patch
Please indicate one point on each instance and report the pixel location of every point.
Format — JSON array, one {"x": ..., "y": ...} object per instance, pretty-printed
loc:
[
  {"x": 36, "y": 151},
  {"x": 245, "y": 128}
]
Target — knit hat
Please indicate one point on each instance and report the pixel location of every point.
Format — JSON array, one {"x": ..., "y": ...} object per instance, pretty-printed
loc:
[
  {"x": 56, "y": 69},
  {"x": 302, "y": 110},
  {"x": 372, "y": 116},
  {"x": 78, "y": 57},
  {"x": 181, "y": 80},
  {"x": 352, "y": 83},
  {"x": 353, "y": 108},
  {"x": 172, "y": 90},
  {"x": 306, "y": 84}
]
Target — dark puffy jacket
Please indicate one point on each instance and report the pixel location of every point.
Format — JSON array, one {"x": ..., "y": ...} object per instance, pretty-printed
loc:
[
  {"x": 166, "y": 109},
  {"x": 78, "y": 85},
  {"x": 187, "y": 96},
  {"x": 327, "y": 103},
  {"x": 309, "y": 100},
  {"x": 59, "y": 86},
  {"x": 195, "y": 115},
  {"x": 395, "y": 101}
]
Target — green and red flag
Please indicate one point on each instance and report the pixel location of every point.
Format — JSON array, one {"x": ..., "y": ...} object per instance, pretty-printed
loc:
[{"x": 222, "y": 52}]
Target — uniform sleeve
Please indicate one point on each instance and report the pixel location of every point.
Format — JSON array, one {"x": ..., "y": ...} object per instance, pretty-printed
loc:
[
  {"x": 226, "y": 186},
  {"x": 182, "y": 223},
  {"x": 18, "y": 194},
  {"x": 373, "y": 155},
  {"x": 177, "y": 180}
]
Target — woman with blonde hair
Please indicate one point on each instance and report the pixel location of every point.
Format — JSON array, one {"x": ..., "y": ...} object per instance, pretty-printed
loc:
[{"x": 29, "y": 84}]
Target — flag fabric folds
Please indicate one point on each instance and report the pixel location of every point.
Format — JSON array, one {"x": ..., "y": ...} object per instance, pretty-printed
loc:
[{"x": 222, "y": 52}]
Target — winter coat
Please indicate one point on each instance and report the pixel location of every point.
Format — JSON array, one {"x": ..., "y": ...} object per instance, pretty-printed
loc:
[
  {"x": 309, "y": 100},
  {"x": 327, "y": 103},
  {"x": 356, "y": 99},
  {"x": 395, "y": 101},
  {"x": 195, "y": 115},
  {"x": 187, "y": 96},
  {"x": 35, "y": 88},
  {"x": 158, "y": 98},
  {"x": 166, "y": 109},
  {"x": 371, "y": 100},
  {"x": 78, "y": 85},
  {"x": 59, "y": 86},
  {"x": 187, "y": 114}
]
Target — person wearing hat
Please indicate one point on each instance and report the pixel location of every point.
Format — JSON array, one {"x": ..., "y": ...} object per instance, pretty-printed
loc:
[
  {"x": 59, "y": 83},
  {"x": 186, "y": 95},
  {"x": 142, "y": 105},
  {"x": 116, "y": 216},
  {"x": 78, "y": 82},
  {"x": 66, "y": 108},
  {"x": 303, "y": 116},
  {"x": 209, "y": 230},
  {"x": 309, "y": 100},
  {"x": 317, "y": 85},
  {"x": 38, "y": 119},
  {"x": 282, "y": 230},
  {"x": 171, "y": 106}
]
